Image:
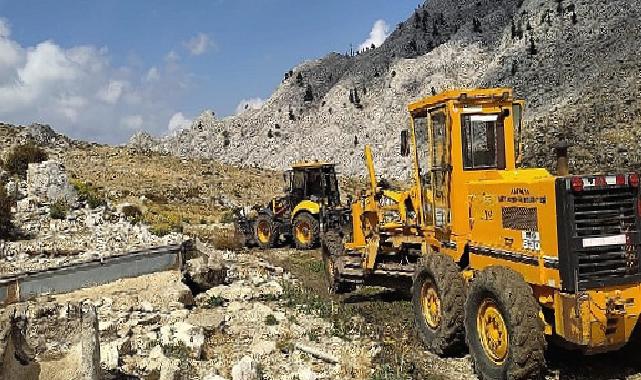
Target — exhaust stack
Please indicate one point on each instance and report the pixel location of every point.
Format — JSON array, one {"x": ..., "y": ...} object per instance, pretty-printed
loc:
[{"x": 562, "y": 158}]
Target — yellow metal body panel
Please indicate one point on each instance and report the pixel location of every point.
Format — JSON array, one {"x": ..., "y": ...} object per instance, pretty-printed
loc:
[
  {"x": 598, "y": 320},
  {"x": 306, "y": 206}
]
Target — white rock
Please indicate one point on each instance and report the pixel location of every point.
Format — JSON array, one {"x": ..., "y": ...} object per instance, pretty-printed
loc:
[
  {"x": 109, "y": 355},
  {"x": 263, "y": 348},
  {"x": 246, "y": 369},
  {"x": 181, "y": 332},
  {"x": 306, "y": 374}
]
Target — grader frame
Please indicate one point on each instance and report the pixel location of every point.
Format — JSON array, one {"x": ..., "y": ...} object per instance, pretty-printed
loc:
[{"x": 541, "y": 254}]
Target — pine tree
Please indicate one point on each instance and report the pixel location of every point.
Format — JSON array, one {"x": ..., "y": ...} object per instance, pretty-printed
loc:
[
  {"x": 309, "y": 93},
  {"x": 357, "y": 99},
  {"x": 532, "y": 48}
]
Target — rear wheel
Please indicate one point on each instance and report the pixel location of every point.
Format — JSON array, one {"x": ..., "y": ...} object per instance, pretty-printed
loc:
[
  {"x": 332, "y": 250},
  {"x": 265, "y": 231},
  {"x": 438, "y": 297},
  {"x": 306, "y": 231},
  {"x": 504, "y": 332}
]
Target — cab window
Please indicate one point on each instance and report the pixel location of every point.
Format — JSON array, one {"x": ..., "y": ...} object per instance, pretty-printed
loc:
[
  {"x": 483, "y": 142},
  {"x": 422, "y": 149}
]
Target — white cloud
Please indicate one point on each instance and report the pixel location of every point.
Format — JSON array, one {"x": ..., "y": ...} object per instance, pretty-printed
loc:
[
  {"x": 133, "y": 122},
  {"x": 178, "y": 122},
  {"x": 172, "y": 57},
  {"x": 112, "y": 92},
  {"x": 246, "y": 104},
  {"x": 5, "y": 29},
  {"x": 378, "y": 35},
  {"x": 80, "y": 93},
  {"x": 199, "y": 44},
  {"x": 152, "y": 75}
]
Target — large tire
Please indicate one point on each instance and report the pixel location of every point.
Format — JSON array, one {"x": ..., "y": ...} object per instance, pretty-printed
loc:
[
  {"x": 500, "y": 297},
  {"x": 265, "y": 231},
  {"x": 332, "y": 250},
  {"x": 306, "y": 231},
  {"x": 438, "y": 297}
]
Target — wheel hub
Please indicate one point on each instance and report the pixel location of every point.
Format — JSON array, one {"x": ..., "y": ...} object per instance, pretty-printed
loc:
[
  {"x": 431, "y": 305},
  {"x": 264, "y": 232},
  {"x": 303, "y": 232},
  {"x": 492, "y": 331}
]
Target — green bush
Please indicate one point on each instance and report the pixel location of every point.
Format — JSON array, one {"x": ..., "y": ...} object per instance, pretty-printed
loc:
[
  {"x": 270, "y": 320},
  {"x": 228, "y": 217},
  {"x": 5, "y": 212},
  {"x": 89, "y": 194},
  {"x": 160, "y": 230},
  {"x": 18, "y": 160},
  {"x": 132, "y": 213},
  {"x": 58, "y": 210},
  {"x": 215, "y": 301}
]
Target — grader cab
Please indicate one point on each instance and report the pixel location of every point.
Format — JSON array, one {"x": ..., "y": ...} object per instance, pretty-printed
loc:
[
  {"x": 497, "y": 256},
  {"x": 294, "y": 216}
]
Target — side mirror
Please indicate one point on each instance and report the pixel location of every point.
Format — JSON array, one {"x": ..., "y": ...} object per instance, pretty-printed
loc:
[{"x": 405, "y": 146}]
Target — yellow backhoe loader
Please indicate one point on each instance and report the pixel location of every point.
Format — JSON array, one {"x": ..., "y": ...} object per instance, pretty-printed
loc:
[{"x": 295, "y": 215}]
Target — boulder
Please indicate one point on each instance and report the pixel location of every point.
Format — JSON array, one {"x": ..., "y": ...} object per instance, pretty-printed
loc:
[
  {"x": 202, "y": 274},
  {"x": 246, "y": 369},
  {"x": 183, "y": 333}
]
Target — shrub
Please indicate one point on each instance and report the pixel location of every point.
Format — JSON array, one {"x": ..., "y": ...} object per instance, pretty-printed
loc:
[
  {"x": 5, "y": 213},
  {"x": 214, "y": 302},
  {"x": 270, "y": 320},
  {"x": 132, "y": 213},
  {"x": 160, "y": 230},
  {"x": 58, "y": 210},
  {"x": 18, "y": 160},
  {"x": 89, "y": 194},
  {"x": 227, "y": 217}
]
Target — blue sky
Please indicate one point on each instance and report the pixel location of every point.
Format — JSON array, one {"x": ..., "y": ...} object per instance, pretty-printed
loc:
[{"x": 100, "y": 70}]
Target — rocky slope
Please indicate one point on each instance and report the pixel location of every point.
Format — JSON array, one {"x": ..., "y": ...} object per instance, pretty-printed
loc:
[
  {"x": 39, "y": 134},
  {"x": 575, "y": 62}
]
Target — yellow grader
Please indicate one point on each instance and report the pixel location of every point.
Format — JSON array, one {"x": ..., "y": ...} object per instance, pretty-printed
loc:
[{"x": 499, "y": 257}]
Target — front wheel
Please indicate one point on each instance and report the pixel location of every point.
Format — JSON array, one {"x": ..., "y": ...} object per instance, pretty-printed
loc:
[
  {"x": 504, "y": 331},
  {"x": 306, "y": 231}
]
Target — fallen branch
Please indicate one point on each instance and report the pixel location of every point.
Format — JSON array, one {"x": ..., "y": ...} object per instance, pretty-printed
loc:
[{"x": 316, "y": 353}]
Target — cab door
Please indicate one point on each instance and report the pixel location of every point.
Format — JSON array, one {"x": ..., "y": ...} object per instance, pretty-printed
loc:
[{"x": 440, "y": 168}]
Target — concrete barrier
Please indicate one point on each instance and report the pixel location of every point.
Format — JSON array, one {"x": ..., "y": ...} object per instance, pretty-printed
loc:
[{"x": 24, "y": 286}]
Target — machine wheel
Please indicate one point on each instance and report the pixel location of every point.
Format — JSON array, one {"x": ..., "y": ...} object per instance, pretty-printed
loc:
[
  {"x": 332, "y": 249},
  {"x": 306, "y": 231},
  {"x": 265, "y": 231},
  {"x": 438, "y": 296},
  {"x": 504, "y": 332}
]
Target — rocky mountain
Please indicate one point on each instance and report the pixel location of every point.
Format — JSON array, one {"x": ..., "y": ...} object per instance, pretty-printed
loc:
[
  {"x": 38, "y": 134},
  {"x": 575, "y": 62}
]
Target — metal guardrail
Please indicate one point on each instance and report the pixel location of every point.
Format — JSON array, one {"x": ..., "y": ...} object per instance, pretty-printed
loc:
[{"x": 64, "y": 279}]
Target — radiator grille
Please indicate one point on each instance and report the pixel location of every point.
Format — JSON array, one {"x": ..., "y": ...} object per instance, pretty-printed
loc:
[{"x": 605, "y": 213}]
